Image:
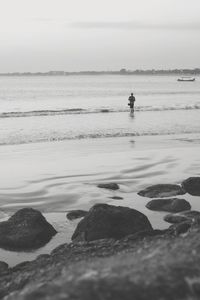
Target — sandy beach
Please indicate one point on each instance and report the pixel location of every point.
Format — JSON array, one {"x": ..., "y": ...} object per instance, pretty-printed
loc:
[{"x": 61, "y": 176}]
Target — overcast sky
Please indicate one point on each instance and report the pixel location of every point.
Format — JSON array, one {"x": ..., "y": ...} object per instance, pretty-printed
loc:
[{"x": 72, "y": 35}]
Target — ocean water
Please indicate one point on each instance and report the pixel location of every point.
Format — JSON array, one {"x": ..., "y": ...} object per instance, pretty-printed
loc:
[{"x": 40, "y": 109}]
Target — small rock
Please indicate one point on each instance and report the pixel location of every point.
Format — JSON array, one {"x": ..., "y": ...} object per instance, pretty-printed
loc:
[
  {"x": 108, "y": 221},
  {"x": 26, "y": 229},
  {"x": 110, "y": 186},
  {"x": 76, "y": 214},
  {"x": 181, "y": 217},
  {"x": 175, "y": 218},
  {"x": 105, "y": 110},
  {"x": 162, "y": 191},
  {"x": 116, "y": 198},
  {"x": 192, "y": 186},
  {"x": 171, "y": 205},
  {"x": 180, "y": 228}
]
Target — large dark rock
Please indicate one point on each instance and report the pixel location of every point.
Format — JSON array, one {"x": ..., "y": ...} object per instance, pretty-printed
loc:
[
  {"x": 171, "y": 205},
  {"x": 192, "y": 186},
  {"x": 162, "y": 191},
  {"x": 76, "y": 214},
  {"x": 109, "y": 186},
  {"x": 108, "y": 221},
  {"x": 26, "y": 229},
  {"x": 182, "y": 216}
]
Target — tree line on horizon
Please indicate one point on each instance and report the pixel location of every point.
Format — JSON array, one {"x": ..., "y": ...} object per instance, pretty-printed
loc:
[{"x": 123, "y": 71}]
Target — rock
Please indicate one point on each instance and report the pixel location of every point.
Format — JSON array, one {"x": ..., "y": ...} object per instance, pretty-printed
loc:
[
  {"x": 105, "y": 110},
  {"x": 180, "y": 228},
  {"x": 162, "y": 191},
  {"x": 175, "y": 218},
  {"x": 108, "y": 221},
  {"x": 116, "y": 198},
  {"x": 171, "y": 205},
  {"x": 109, "y": 186},
  {"x": 76, "y": 214},
  {"x": 3, "y": 267},
  {"x": 19, "y": 267},
  {"x": 192, "y": 186},
  {"x": 158, "y": 267},
  {"x": 26, "y": 229},
  {"x": 182, "y": 216}
]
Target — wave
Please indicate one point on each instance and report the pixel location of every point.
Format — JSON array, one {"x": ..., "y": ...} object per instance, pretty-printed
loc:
[
  {"x": 38, "y": 113},
  {"x": 165, "y": 108},
  {"x": 16, "y": 114},
  {"x": 60, "y": 138},
  {"x": 154, "y": 93}
]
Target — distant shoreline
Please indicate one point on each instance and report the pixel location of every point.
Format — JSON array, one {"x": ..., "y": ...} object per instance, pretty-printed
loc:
[{"x": 123, "y": 72}]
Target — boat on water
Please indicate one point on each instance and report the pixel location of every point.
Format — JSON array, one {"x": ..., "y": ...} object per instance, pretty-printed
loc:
[{"x": 186, "y": 78}]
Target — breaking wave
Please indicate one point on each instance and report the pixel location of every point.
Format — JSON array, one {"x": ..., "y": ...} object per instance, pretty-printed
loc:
[{"x": 37, "y": 113}]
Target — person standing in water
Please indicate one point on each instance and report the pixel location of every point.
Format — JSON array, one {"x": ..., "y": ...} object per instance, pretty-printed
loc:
[{"x": 131, "y": 103}]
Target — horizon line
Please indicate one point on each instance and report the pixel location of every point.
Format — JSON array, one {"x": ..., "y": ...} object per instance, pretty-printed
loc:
[{"x": 121, "y": 71}]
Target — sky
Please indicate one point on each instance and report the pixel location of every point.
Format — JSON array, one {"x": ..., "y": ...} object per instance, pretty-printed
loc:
[{"x": 75, "y": 35}]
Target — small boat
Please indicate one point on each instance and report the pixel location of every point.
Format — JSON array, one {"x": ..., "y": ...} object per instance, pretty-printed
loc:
[{"x": 186, "y": 78}]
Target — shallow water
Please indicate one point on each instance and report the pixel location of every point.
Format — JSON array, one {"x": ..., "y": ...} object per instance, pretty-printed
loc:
[{"x": 40, "y": 109}]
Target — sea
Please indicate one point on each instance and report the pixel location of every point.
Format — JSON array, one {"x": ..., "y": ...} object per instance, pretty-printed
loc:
[{"x": 55, "y": 108}]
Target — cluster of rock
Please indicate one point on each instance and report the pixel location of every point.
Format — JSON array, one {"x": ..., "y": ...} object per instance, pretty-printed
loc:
[
  {"x": 28, "y": 229},
  {"x": 180, "y": 208},
  {"x": 122, "y": 227},
  {"x": 159, "y": 266}
]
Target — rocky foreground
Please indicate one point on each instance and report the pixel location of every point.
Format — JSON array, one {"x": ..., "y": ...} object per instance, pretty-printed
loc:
[
  {"x": 148, "y": 266},
  {"x": 115, "y": 254}
]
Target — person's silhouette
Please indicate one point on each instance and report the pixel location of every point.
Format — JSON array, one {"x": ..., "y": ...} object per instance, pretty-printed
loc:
[{"x": 131, "y": 103}]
